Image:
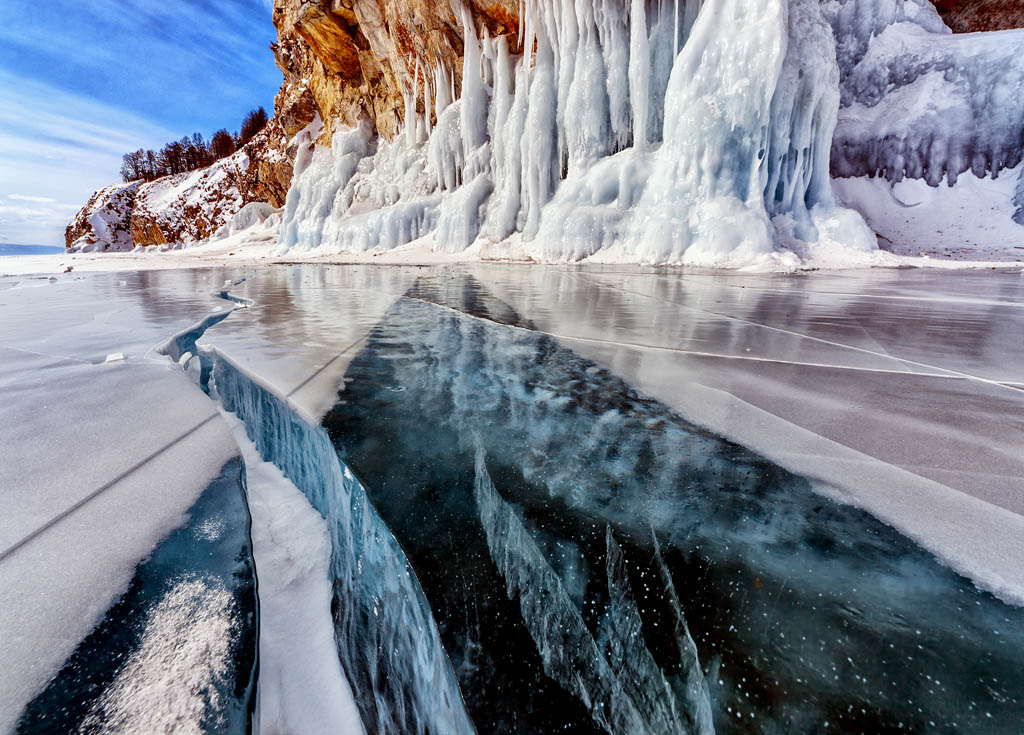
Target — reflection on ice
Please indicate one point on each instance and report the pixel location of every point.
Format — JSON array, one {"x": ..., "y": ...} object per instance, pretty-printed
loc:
[
  {"x": 583, "y": 498},
  {"x": 803, "y": 611}
]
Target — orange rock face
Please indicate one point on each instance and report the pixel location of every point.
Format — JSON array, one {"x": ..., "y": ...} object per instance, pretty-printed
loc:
[
  {"x": 354, "y": 55},
  {"x": 969, "y": 16}
]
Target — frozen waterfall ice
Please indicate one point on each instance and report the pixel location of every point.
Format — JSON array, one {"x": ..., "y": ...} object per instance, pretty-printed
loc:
[{"x": 654, "y": 132}]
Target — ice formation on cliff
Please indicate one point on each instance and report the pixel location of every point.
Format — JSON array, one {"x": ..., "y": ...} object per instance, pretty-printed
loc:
[
  {"x": 920, "y": 102},
  {"x": 653, "y": 132}
]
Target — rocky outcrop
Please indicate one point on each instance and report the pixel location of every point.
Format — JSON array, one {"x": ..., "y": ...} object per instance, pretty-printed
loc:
[
  {"x": 187, "y": 207},
  {"x": 269, "y": 173},
  {"x": 103, "y": 223}
]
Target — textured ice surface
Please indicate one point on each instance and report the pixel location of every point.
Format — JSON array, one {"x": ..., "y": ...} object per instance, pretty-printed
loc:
[
  {"x": 834, "y": 377},
  {"x": 653, "y": 132},
  {"x": 107, "y": 459},
  {"x": 615, "y": 674},
  {"x": 920, "y": 102},
  {"x": 647, "y": 463},
  {"x": 785, "y": 591},
  {"x": 302, "y": 688}
]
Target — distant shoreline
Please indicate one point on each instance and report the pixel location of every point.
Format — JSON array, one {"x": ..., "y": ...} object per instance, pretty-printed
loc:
[{"x": 15, "y": 249}]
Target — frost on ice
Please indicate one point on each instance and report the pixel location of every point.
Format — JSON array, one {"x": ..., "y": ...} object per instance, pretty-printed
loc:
[{"x": 631, "y": 131}]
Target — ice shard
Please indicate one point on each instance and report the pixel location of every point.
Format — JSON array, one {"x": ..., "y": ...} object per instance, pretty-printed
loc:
[{"x": 386, "y": 636}]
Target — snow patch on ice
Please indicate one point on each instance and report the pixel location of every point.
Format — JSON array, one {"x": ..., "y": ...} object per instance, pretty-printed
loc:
[
  {"x": 187, "y": 639},
  {"x": 974, "y": 218},
  {"x": 302, "y": 688}
]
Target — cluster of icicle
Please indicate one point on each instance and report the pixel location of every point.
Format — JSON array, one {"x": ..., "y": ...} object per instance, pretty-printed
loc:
[
  {"x": 655, "y": 132},
  {"x": 919, "y": 102}
]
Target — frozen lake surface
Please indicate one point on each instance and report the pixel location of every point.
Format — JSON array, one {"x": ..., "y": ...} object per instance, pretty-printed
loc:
[{"x": 551, "y": 498}]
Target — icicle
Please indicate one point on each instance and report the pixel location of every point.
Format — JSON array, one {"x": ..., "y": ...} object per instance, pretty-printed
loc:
[
  {"x": 639, "y": 72},
  {"x": 426, "y": 104},
  {"x": 570, "y": 31},
  {"x": 410, "y": 112},
  {"x": 540, "y": 157},
  {"x": 442, "y": 85},
  {"x": 585, "y": 123},
  {"x": 473, "y": 112},
  {"x": 675, "y": 28},
  {"x": 522, "y": 16}
]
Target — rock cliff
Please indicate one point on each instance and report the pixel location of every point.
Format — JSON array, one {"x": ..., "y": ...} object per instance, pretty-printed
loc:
[
  {"x": 187, "y": 207},
  {"x": 356, "y": 55},
  {"x": 971, "y": 16}
]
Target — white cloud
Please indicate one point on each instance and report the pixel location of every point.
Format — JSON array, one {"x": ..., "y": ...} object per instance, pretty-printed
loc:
[
  {"x": 28, "y": 198},
  {"x": 56, "y": 148}
]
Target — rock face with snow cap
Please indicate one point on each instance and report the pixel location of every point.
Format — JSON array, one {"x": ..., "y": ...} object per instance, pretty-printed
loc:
[
  {"x": 103, "y": 223},
  {"x": 184, "y": 208},
  {"x": 682, "y": 132}
]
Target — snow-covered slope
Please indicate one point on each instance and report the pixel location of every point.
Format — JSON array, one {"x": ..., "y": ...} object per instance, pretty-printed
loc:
[
  {"x": 190, "y": 207},
  {"x": 103, "y": 223}
]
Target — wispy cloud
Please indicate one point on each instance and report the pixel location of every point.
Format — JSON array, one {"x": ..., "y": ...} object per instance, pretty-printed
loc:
[
  {"x": 27, "y": 198},
  {"x": 56, "y": 148},
  {"x": 83, "y": 83}
]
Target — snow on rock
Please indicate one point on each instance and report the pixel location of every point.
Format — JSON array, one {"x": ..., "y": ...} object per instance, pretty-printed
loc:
[
  {"x": 103, "y": 223},
  {"x": 546, "y": 144},
  {"x": 190, "y": 207}
]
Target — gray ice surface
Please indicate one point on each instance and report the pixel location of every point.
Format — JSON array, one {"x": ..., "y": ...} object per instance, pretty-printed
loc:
[
  {"x": 900, "y": 391},
  {"x": 99, "y": 460}
]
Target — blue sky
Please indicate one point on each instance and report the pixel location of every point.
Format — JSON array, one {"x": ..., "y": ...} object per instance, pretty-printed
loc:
[{"x": 84, "y": 81}]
